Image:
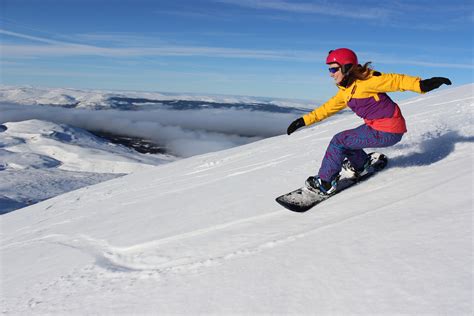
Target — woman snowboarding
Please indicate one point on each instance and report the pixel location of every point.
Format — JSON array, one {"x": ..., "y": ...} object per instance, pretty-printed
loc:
[{"x": 364, "y": 91}]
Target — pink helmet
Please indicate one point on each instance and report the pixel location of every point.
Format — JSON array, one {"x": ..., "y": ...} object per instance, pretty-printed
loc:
[{"x": 342, "y": 56}]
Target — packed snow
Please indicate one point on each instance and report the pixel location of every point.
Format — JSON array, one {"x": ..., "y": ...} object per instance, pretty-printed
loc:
[{"x": 203, "y": 235}]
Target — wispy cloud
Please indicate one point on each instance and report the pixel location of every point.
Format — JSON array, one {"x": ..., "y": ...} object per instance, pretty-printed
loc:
[
  {"x": 54, "y": 48},
  {"x": 426, "y": 63},
  {"x": 29, "y": 37},
  {"x": 61, "y": 48},
  {"x": 16, "y": 51},
  {"x": 322, "y": 8},
  {"x": 119, "y": 39},
  {"x": 396, "y": 14},
  {"x": 197, "y": 14}
]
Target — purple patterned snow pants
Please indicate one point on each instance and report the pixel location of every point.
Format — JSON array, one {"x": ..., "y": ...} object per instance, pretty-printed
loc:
[{"x": 350, "y": 144}]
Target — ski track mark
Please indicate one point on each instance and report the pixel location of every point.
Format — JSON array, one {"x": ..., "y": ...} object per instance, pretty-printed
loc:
[
  {"x": 188, "y": 252},
  {"x": 247, "y": 166},
  {"x": 258, "y": 166},
  {"x": 230, "y": 172},
  {"x": 212, "y": 164},
  {"x": 182, "y": 183}
]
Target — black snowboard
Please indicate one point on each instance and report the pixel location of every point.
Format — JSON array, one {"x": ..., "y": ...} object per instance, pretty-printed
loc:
[{"x": 304, "y": 198}]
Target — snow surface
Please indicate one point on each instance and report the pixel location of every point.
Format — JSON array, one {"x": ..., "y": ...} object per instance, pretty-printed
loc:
[
  {"x": 39, "y": 160},
  {"x": 204, "y": 235}
]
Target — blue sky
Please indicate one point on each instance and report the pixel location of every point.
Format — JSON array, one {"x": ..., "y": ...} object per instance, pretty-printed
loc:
[{"x": 273, "y": 48}]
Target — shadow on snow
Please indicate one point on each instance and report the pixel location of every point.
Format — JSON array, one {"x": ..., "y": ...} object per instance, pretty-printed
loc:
[{"x": 433, "y": 149}]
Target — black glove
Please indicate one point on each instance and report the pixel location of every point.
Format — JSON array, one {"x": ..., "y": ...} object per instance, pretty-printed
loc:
[
  {"x": 295, "y": 125},
  {"x": 433, "y": 83}
]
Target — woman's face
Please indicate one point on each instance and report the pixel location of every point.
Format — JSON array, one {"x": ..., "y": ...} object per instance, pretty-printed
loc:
[{"x": 337, "y": 74}]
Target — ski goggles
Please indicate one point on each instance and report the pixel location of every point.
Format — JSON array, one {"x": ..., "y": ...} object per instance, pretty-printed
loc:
[{"x": 333, "y": 70}]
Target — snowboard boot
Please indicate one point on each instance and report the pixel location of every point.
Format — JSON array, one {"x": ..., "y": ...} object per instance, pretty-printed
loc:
[
  {"x": 320, "y": 186},
  {"x": 375, "y": 162}
]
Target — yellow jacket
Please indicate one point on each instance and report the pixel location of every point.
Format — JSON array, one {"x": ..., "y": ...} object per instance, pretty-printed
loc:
[{"x": 367, "y": 99}]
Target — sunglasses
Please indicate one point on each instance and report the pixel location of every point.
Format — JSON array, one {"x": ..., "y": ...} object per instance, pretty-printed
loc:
[{"x": 333, "y": 70}]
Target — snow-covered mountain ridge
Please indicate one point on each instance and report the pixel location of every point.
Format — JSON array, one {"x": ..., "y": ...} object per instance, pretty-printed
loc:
[
  {"x": 181, "y": 124},
  {"x": 103, "y": 99},
  {"x": 204, "y": 234}
]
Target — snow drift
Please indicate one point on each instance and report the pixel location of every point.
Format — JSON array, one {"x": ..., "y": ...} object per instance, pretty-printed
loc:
[{"x": 204, "y": 234}]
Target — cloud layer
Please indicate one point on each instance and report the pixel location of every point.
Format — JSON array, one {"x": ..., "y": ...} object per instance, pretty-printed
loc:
[{"x": 183, "y": 133}]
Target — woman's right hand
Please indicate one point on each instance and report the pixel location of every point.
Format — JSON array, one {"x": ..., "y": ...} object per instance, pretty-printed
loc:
[{"x": 295, "y": 125}]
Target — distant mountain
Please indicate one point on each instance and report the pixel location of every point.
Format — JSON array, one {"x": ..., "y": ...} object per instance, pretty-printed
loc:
[
  {"x": 132, "y": 100},
  {"x": 183, "y": 125}
]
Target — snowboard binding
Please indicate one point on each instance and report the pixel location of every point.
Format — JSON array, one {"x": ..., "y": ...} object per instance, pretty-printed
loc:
[
  {"x": 375, "y": 162},
  {"x": 319, "y": 186}
]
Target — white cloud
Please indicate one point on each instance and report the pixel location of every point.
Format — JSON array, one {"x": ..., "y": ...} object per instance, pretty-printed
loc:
[
  {"x": 323, "y": 8},
  {"x": 29, "y": 37},
  {"x": 16, "y": 51},
  {"x": 61, "y": 48},
  {"x": 53, "y": 48},
  {"x": 184, "y": 133}
]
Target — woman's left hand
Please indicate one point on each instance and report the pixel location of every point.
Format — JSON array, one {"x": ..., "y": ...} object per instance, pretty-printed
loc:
[{"x": 433, "y": 83}]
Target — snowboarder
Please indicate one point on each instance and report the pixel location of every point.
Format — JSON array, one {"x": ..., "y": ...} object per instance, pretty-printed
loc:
[{"x": 364, "y": 91}]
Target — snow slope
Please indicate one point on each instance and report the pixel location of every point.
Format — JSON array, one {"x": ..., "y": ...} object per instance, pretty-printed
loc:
[
  {"x": 204, "y": 234},
  {"x": 39, "y": 160}
]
